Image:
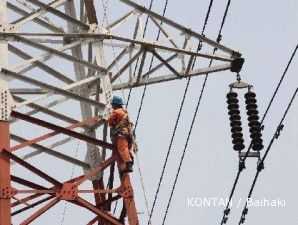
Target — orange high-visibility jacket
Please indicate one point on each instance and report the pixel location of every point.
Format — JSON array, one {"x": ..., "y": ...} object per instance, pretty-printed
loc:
[
  {"x": 117, "y": 116},
  {"x": 120, "y": 123}
]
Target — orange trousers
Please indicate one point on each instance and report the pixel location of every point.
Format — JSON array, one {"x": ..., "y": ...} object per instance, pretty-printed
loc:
[{"x": 124, "y": 150}]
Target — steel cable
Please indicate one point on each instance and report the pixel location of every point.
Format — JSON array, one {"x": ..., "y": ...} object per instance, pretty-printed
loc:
[
  {"x": 242, "y": 162},
  {"x": 151, "y": 64},
  {"x": 195, "y": 114},
  {"x": 260, "y": 166},
  {"x": 178, "y": 116}
]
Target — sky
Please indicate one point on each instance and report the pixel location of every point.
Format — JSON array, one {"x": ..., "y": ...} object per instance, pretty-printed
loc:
[{"x": 266, "y": 33}]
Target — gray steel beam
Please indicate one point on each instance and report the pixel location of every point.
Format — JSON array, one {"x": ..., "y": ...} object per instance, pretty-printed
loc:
[
  {"x": 133, "y": 83},
  {"x": 93, "y": 156},
  {"x": 47, "y": 111},
  {"x": 60, "y": 14},
  {"x": 27, "y": 91},
  {"x": 120, "y": 20},
  {"x": 180, "y": 27},
  {"x": 125, "y": 67},
  {"x": 144, "y": 44},
  {"x": 41, "y": 22},
  {"x": 166, "y": 64},
  {"x": 146, "y": 75},
  {"x": 51, "y": 88},
  {"x": 41, "y": 65},
  {"x": 42, "y": 149},
  {"x": 58, "y": 53},
  {"x": 34, "y": 14}
]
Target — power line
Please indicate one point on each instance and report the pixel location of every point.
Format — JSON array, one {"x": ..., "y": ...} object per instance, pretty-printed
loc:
[
  {"x": 137, "y": 63},
  {"x": 151, "y": 64},
  {"x": 260, "y": 166},
  {"x": 242, "y": 162},
  {"x": 195, "y": 115},
  {"x": 178, "y": 117}
]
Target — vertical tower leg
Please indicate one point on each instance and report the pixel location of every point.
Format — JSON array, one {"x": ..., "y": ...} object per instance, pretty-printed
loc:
[
  {"x": 129, "y": 201},
  {"x": 5, "y": 216},
  {"x": 5, "y": 188},
  {"x": 126, "y": 191}
]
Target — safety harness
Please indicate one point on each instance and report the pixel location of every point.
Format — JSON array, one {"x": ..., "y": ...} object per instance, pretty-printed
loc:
[{"x": 122, "y": 129}]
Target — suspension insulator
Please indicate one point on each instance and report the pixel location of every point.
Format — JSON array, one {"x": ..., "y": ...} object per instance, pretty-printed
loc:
[
  {"x": 232, "y": 106},
  {"x": 232, "y": 100},
  {"x": 251, "y": 101},
  {"x": 252, "y": 112},
  {"x": 254, "y": 123},
  {"x": 234, "y": 112},
  {"x": 251, "y": 106},
  {"x": 250, "y": 94},
  {"x": 253, "y": 118},
  {"x": 236, "y": 123},
  {"x": 256, "y": 136},
  {"x": 235, "y": 118},
  {"x": 237, "y": 135}
]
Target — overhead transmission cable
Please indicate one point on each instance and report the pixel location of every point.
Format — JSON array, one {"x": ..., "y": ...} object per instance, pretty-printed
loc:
[
  {"x": 144, "y": 34},
  {"x": 260, "y": 166},
  {"x": 179, "y": 114},
  {"x": 138, "y": 162},
  {"x": 242, "y": 162},
  {"x": 195, "y": 114},
  {"x": 141, "y": 104},
  {"x": 151, "y": 64}
]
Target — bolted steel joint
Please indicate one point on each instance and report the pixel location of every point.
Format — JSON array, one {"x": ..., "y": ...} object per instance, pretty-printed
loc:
[
  {"x": 67, "y": 192},
  {"x": 125, "y": 191},
  {"x": 7, "y": 192}
]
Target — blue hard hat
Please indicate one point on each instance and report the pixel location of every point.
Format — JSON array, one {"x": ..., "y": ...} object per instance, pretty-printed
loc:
[{"x": 117, "y": 100}]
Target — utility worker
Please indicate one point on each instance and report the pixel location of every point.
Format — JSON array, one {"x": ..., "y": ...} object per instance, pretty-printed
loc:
[{"x": 121, "y": 134}]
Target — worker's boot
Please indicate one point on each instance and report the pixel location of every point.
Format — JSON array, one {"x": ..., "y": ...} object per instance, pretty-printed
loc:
[{"x": 128, "y": 168}]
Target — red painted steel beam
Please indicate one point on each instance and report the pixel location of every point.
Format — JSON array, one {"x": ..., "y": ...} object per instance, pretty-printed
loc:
[
  {"x": 26, "y": 199},
  {"x": 31, "y": 168},
  {"x": 27, "y": 183},
  {"x": 126, "y": 191},
  {"x": 99, "y": 198},
  {"x": 40, "y": 212},
  {"x": 106, "y": 203},
  {"x": 101, "y": 167},
  {"x": 129, "y": 202},
  {"x": 20, "y": 201},
  {"x": 62, "y": 130},
  {"x": 111, "y": 181},
  {"x": 31, "y": 205},
  {"x": 5, "y": 182},
  {"x": 52, "y": 134},
  {"x": 103, "y": 215},
  {"x": 98, "y": 185}
]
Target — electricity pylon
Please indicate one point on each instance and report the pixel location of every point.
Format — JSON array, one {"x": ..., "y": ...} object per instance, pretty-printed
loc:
[{"x": 39, "y": 44}]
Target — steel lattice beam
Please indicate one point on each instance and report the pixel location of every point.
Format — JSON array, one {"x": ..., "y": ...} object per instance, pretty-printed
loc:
[{"x": 101, "y": 60}]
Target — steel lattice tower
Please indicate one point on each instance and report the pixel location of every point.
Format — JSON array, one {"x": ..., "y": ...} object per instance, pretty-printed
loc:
[{"x": 102, "y": 59}]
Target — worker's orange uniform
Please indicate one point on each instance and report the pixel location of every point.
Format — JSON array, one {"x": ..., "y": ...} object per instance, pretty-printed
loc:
[{"x": 121, "y": 134}]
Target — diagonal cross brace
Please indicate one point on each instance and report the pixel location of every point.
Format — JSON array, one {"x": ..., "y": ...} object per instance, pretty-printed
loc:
[{"x": 62, "y": 130}]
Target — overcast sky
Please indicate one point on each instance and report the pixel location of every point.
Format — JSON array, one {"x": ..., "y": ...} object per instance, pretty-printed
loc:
[{"x": 266, "y": 33}]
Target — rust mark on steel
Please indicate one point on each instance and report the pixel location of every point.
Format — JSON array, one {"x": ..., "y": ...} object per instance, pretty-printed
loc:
[
  {"x": 91, "y": 13},
  {"x": 62, "y": 130}
]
